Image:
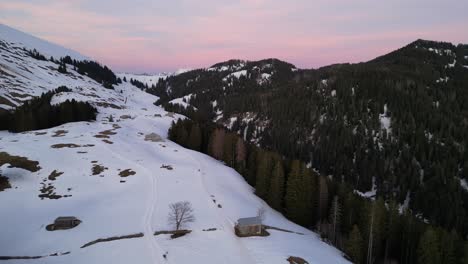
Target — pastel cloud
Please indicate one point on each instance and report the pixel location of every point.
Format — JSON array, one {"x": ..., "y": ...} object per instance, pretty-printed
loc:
[{"x": 148, "y": 35}]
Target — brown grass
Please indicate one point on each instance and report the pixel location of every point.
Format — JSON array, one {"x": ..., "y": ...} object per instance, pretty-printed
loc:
[
  {"x": 101, "y": 136},
  {"x": 4, "y": 183},
  {"x": 107, "y": 141},
  {"x": 107, "y": 105},
  {"x": 296, "y": 260},
  {"x": 53, "y": 175},
  {"x": 98, "y": 169},
  {"x": 40, "y": 133},
  {"x": 19, "y": 162},
  {"x": 108, "y": 132},
  {"x": 167, "y": 167},
  {"x": 126, "y": 117},
  {"x": 126, "y": 173},
  {"x": 60, "y": 133}
]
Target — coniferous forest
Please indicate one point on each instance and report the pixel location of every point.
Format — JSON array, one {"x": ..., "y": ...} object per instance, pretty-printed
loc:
[
  {"x": 321, "y": 138},
  {"x": 38, "y": 113}
]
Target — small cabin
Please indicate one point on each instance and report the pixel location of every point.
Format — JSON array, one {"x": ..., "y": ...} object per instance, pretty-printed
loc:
[
  {"x": 64, "y": 222},
  {"x": 250, "y": 226}
]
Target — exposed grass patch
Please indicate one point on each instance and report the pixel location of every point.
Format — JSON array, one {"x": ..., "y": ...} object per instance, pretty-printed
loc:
[
  {"x": 19, "y": 162},
  {"x": 101, "y": 136},
  {"x": 126, "y": 173},
  {"x": 126, "y": 117},
  {"x": 53, "y": 175},
  {"x": 40, "y": 133},
  {"x": 296, "y": 260},
  {"x": 108, "y": 132},
  {"x": 100, "y": 240},
  {"x": 108, "y": 105},
  {"x": 59, "y": 133},
  {"x": 4, "y": 183},
  {"x": 107, "y": 141},
  {"x": 98, "y": 169},
  {"x": 209, "y": 229},
  {"x": 167, "y": 167}
]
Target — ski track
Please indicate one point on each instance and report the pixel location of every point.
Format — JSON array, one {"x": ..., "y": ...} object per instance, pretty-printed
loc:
[
  {"x": 148, "y": 219},
  {"x": 227, "y": 223}
]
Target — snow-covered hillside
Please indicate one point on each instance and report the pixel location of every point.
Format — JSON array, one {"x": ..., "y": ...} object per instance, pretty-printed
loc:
[
  {"x": 31, "y": 42},
  {"x": 119, "y": 178}
]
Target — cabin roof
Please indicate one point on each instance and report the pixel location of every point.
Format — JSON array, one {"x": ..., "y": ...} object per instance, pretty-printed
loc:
[
  {"x": 66, "y": 218},
  {"x": 248, "y": 221}
]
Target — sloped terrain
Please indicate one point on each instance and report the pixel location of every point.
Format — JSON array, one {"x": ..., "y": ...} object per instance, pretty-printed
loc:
[{"x": 118, "y": 175}]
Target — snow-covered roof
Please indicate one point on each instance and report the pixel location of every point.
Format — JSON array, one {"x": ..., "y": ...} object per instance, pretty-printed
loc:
[{"x": 248, "y": 221}]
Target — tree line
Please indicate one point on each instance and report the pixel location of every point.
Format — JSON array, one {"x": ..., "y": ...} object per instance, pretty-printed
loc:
[{"x": 39, "y": 113}]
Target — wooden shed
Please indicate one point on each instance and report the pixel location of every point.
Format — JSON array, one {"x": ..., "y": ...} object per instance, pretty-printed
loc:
[{"x": 250, "y": 226}]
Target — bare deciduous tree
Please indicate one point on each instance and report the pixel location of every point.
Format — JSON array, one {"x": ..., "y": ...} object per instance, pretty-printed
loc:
[
  {"x": 261, "y": 213},
  {"x": 180, "y": 213}
]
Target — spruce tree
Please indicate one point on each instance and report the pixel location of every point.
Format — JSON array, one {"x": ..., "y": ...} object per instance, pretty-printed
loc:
[
  {"x": 429, "y": 248},
  {"x": 292, "y": 196},
  {"x": 263, "y": 175},
  {"x": 335, "y": 220},
  {"x": 276, "y": 192},
  {"x": 195, "y": 138},
  {"x": 354, "y": 245}
]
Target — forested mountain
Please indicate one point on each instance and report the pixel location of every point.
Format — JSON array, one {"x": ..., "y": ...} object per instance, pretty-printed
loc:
[{"x": 398, "y": 123}]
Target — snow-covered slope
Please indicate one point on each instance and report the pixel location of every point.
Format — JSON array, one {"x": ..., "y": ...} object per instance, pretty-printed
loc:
[
  {"x": 109, "y": 204},
  {"x": 31, "y": 42}
]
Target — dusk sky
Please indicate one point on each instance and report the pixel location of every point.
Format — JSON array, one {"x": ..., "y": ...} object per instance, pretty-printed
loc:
[{"x": 154, "y": 36}]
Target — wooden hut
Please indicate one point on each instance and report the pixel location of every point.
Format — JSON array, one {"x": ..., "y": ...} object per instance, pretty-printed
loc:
[{"x": 250, "y": 226}]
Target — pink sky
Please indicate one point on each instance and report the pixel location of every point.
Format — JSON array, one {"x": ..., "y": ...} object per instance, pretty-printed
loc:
[{"x": 154, "y": 36}]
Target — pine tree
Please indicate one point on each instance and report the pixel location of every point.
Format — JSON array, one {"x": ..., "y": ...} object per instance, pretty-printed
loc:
[
  {"x": 276, "y": 192},
  {"x": 335, "y": 220},
  {"x": 292, "y": 196},
  {"x": 241, "y": 155},
  {"x": 447, "y": 247},
  {"x": 465, "y": 254},
  {"x": 300, "y": 190},
  {"x": 323, "y": 198},
  {"x": 216, "y": 144},
  {"x": 354, "y": 245},
  {"x": 263, "y": 175},
  {"x": 229, "y": 149},
  {"x": 429, "y": 248},
  {"x": 195, "y": 138},
  {"x": 252, "y": 166}
]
